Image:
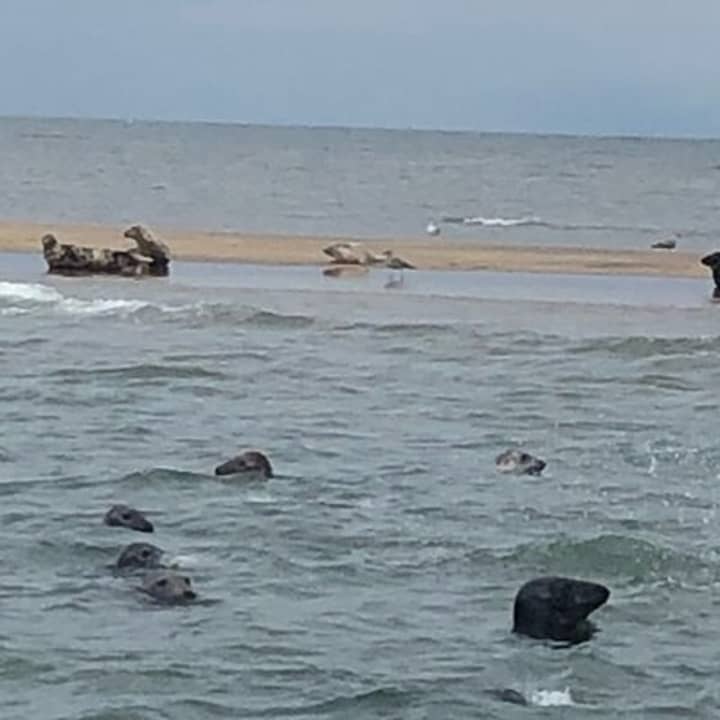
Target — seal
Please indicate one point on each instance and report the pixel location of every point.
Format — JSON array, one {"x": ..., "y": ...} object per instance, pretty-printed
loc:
[
  {"x": 168, "y": 587},
  {"x": 713, "y": 262},
  {"x": 139, "y": 556},
  {"x": 519, "y": 462},
  {"x": 125, "y": 516},
  {"x": 507, "y": 695},
  {"x": 556, "y": 608},
  {"x": 253, "y": 464}
]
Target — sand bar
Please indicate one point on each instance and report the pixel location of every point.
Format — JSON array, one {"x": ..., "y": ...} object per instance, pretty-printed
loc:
[{"x": 425, "y": 254}]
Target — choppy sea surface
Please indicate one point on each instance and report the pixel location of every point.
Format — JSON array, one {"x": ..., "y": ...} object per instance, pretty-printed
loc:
[
  {"x": 374, "y": 576},
  {"x": 546, "y": 190}
]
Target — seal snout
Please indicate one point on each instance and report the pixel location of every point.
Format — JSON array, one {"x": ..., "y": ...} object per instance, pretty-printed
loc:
[
  {"x": 166, "y": 586},
  {"x": 712, "y": 260},
  {"x": 128, "y": 517},
  {"x": 252, "y": 464},
  {"x": 137, "y": 556},
  {"x": 519, "y": 462}
]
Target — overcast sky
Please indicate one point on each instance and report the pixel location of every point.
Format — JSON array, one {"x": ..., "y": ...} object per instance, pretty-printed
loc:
[{"x": 579, "y": 66}]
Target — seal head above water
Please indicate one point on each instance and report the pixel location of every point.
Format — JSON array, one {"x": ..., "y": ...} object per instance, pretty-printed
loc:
[
  {"x": 166, "y": 586},
  {"x": 252, "y": 464},
  {"x": 712, "y": 261},
  {"x": 139, "y": 556},
  {"x": 125, "y": 516},
  {"x": 519, "y": 462},
  {"x": 557, "y": 608}
]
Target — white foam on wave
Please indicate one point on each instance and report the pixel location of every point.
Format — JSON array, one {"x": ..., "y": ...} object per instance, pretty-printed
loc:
[
  {"x": 24, "y": 297},
  {"x": 73, "y": 306},
  {"x": 551, "y": 698},
  {"x": 501, "y": 222},
  {"x": 34, "y": 292}
]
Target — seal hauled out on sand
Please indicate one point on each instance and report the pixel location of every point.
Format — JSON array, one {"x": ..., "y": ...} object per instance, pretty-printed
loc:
[
  {"x": 713, "y": 262},
  {"x": 556, "y": 608},
  {"x": 125, "y": 516},
  {"x": 519, "y": 462},
  {"x": 140, "y": 556},
  {"x": 166, "y": 586},
  {"x": 252, "y": 464}
]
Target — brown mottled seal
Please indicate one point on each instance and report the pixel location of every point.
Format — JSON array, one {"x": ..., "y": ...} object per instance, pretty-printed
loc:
[
  {"x": 166, "y": 586},
  {"x": 519, "y": 462},
  {"x": 125, "y": 516},
  {"x": 151, "y": 247},
  {"x": 252, "y": 464},
  {"x": 138, "y": 556}
]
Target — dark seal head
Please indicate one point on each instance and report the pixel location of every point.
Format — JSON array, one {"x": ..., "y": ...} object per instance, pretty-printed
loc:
[
  {"x": 138, "y": 556},
  {"x": 49, "y": 242},
  {"x": 252, "y": 464},
  {"x": 712, "y": 261},
  {"x": 124, "y": 516},
  {"x": 166, "y": 586},
  {"x": 557, "y": 608},
  {"x": 519, "y": 462}
]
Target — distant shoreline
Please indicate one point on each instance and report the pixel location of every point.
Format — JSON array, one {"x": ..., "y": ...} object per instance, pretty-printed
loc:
[{"x": 425, "y": 254}]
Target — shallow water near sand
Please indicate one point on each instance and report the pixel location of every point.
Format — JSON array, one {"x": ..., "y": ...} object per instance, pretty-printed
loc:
[{"x": 374, "y": 576}]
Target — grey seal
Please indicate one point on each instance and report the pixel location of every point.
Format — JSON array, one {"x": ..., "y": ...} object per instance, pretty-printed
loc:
[
  {"x": 139, "y": 556},
  {"x": 166, "y": 586},
  {"x": 125, "y": 516},
  {"x": 519, "y": 462},
  {"x": 557, "y": 608},
  {"x": 713, "y": 262},
  {"x": 253, "y": 464}
]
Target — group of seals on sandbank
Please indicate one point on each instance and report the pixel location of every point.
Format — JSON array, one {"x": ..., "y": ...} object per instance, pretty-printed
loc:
[
  {"x": 351, "y": 258},
  {"x": 150, "y": 256}
]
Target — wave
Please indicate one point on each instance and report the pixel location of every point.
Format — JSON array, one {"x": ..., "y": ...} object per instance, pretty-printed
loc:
[
  {"x": 612, "y": 556},
  {"x": 492, "y": 221},
  {"x": 502, "y": 222},
  {"x": 640, "y": 346},
  {"x": 143, "y": 371},
  {"x": 32, "y": 298},
  {"x": 26, "y": 298},
  {"x": 535, "y": 221}
]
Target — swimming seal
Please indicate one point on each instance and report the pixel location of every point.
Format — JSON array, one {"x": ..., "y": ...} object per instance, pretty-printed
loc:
[
  {"x": 166, "y": 586},
  {"x": 519, "y": 462},
  {"x": 252, "y": 464},
  {"x": 138, "y": 556},
  {"x": 713, "y": 262},
  {"x": 125, "y": 516},
  {"x": 556, "y": 608}
]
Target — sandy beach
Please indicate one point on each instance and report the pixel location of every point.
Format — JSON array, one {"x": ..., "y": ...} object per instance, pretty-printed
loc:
[{"x": 435, "y": 253}]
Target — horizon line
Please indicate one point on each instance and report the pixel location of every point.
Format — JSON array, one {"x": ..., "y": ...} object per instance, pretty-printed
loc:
[{"x": 377, "y": 128}]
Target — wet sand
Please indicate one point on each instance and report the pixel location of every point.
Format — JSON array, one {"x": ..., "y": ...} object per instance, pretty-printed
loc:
[{"x": 424, "y": 253}]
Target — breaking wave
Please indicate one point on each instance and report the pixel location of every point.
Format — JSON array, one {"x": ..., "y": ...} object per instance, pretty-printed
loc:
[
  {"x": 568, "y": 226},
  {"x": 26, "y": 298},
  {"x": 35, "y": 298},
  {"x": 502, "y": 222}
]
